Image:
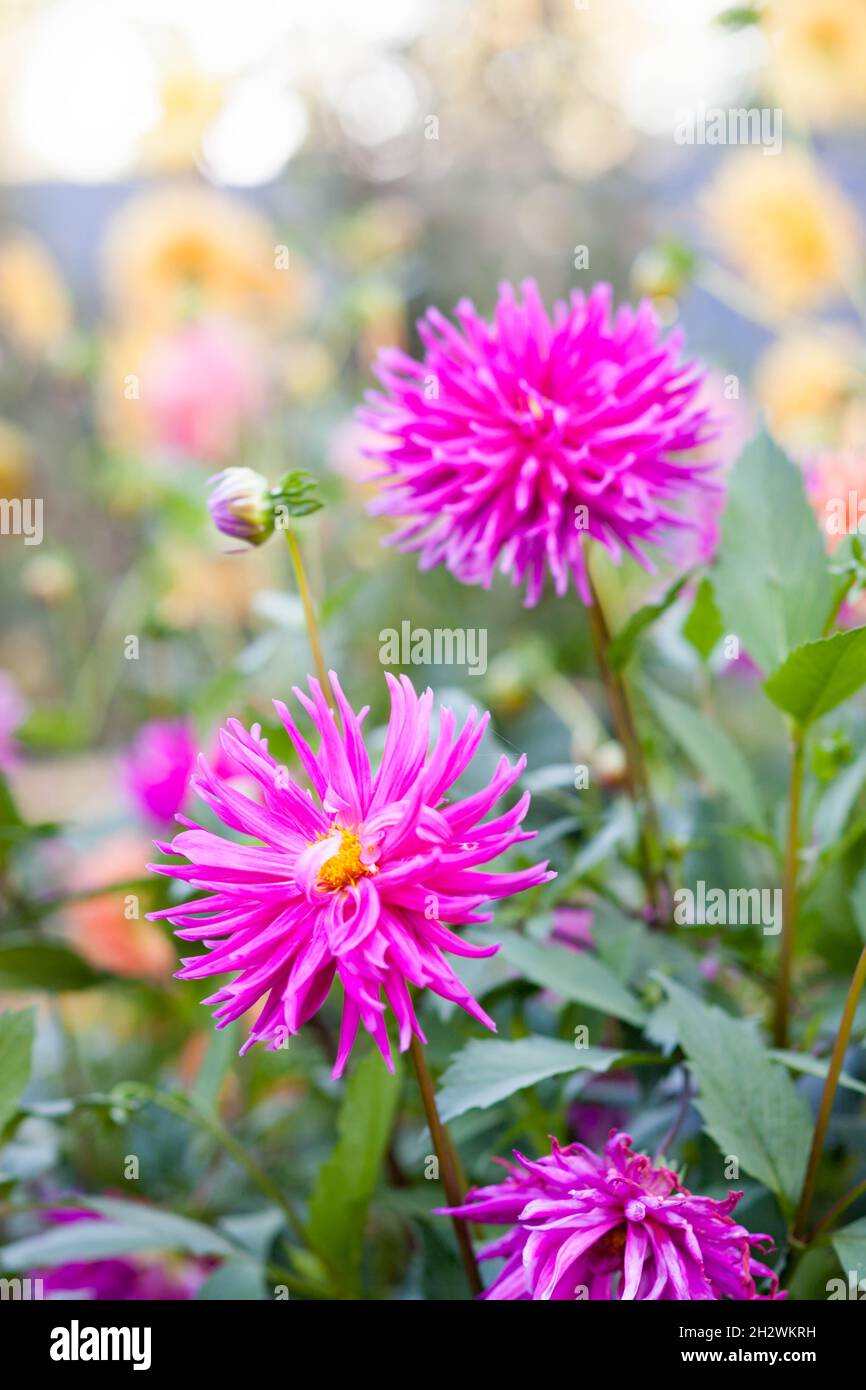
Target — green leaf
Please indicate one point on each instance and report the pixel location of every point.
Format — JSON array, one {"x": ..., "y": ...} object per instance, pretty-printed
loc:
[
  {"x": 221, "y": 1052},
  {"x": 31, "y": 962},
  {"x": 836, "y": 804},
  {"x": 739, "y": 16},
  {"x": 486, "y": 1071},
  {"x": 858, "y": 902},
  {"x": 16, "y": 1044},
  {"x": 296, "y": 493},
  {"x": 850, "y": 1246},
  {"x": 711, "y": 751},
  {"x": 338, "y": 1206},
  {"x": 815, "y": 1066},
  {"x": 623, "y": 645},
  {"x": 818, "y": 676},
  {"x": 703, "y": 627},
  {"x": 129, "y": 1227},
  {"x": 236, "y": 1281},
  {"x": 748, "y": 1102},
  {"x": 771, "y": 579},
  {"x": 574, "y": 975}
]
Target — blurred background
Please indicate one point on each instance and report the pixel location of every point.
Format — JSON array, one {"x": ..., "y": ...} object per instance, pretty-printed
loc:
[
  {"x": 211, "y": 218},
  {"x": 210, "y": 224}
]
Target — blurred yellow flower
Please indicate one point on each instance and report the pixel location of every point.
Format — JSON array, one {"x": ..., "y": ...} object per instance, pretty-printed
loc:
[
  {"x": 190, "y": 101},
  {"x": 49, "y": 579},
  {"x": 34, "y": 305},
  {"x": 803, "y": 382},
  {"x": 187, "y": 248},
  {"x": 817, "y": 59},
  {"x": 122, "y": 421},
  {"x": 788, "y": 230},
  {"x": 16, "y": 460}
]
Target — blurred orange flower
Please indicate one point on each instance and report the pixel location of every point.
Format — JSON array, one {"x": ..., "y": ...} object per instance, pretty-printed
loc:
[
  {"x": 99, "y": 926},
  {"x": 185, "y": 248}
]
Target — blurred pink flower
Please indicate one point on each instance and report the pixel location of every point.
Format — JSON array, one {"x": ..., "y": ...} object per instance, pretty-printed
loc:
[
  {"x": 13, "y": 710},
  {"x": 836, "y": 487},
  {"x": 357, "y": 878},
  {"x": 124, "y": 1278},
  {"x": 572, "y": 926},
  {"x": 514, "y": 441},
  {"x": 695, "y": 547},
  {"x": 202, "y": 387},
  {"x": 157, "y": 767}
]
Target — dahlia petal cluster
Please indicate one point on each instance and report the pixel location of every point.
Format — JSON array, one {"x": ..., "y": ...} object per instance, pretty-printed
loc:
[
  {"x": 514, "y": 441},
  {"x": 613, "y": 1227},
  {"x": 361, "y": 876}
]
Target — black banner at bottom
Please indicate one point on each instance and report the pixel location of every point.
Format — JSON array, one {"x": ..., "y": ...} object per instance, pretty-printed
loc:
[{"x": 80, "y": 1338}]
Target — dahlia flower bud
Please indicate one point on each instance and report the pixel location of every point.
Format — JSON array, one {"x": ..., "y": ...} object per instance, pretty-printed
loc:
[
  {"x": 244, "y": 507},
  {"x": 241, "y": 505}
]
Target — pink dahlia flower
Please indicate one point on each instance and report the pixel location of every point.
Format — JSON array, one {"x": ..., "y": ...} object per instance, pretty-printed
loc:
[
  {"x": 613, "y": 1227},
  {"x": 13, "y": 710},
  {"x": 514, "y": 441},
  {"x": 357, "y": 877},
  {"x": 157, "y": 767},
  {"x": 203, "y": 387}
]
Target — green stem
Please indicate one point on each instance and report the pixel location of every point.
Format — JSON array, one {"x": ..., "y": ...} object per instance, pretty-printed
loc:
[
  {"x": 789, "y": 894},
  {"x": 309, "y": 615},
  {"x": 637, "y": 779},
  {"x": 177, "y": 1105},
  {"x": 831, "y": 1082},
  {"x": 448, "y": 1165},
  {"x": 837, "y": 1209}
]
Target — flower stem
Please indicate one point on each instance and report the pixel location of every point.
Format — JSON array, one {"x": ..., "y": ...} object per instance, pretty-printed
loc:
[
  {"x": 838, "y": 1208},
  {"x": 789, "y": 895},
  {"x": 309, "y": 614},
  {"x": 447, "y": 1164},
  {"x": 840, "y": 1046},
  {"x": 637, "y": 779}
]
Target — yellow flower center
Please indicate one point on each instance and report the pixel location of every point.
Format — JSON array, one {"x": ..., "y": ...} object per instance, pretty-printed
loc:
[{"x": 345, "y": 867}]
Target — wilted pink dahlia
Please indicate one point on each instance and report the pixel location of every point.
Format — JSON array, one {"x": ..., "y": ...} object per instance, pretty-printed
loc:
[
  {"x": 613, "y": 1227},
  {"x": 514, "y": 441},
  {"x": 356, "y": 877}
]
